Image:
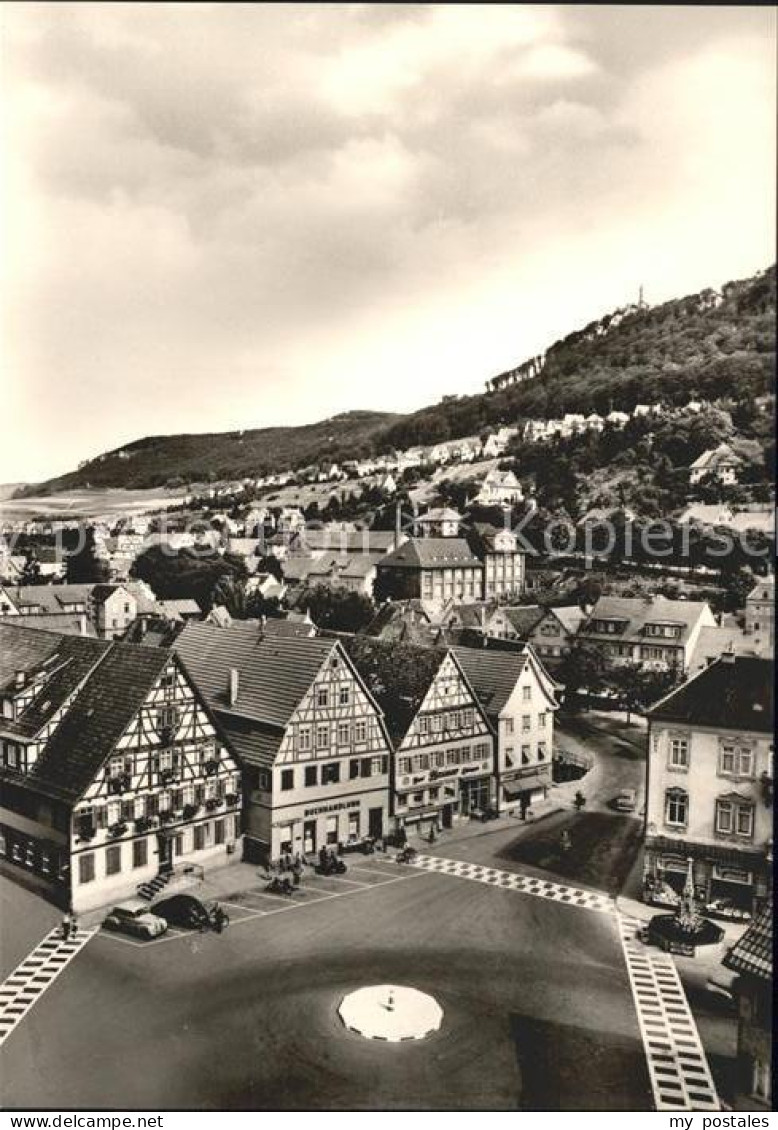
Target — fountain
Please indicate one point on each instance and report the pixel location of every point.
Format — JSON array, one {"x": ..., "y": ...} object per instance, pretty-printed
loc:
[
  {"x": 390, "y": 1012},
  {"x": 685, "y": 929}
]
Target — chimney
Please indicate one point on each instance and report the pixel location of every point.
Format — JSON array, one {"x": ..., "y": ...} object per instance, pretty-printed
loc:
[{"x": 234, "y": 683}]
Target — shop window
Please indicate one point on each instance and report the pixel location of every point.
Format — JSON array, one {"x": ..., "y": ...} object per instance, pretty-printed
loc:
[
  {"x": 218, "y": 831},
  {"x": 332, "y": 830}
]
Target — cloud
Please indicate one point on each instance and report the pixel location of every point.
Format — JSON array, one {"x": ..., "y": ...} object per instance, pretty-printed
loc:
[{"x": 222, "y": 216}]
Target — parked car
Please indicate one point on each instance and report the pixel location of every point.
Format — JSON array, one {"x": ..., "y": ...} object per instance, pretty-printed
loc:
[
  {"x": 626, "y": 801},
  {"x": 135, "y": 917},
  {"x": 725, "y": 908},
  {"x": 662, "y": 894},
  {"x": 188, "y": 911}
]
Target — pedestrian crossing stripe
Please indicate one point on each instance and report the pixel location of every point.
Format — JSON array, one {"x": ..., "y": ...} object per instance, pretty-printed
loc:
[
  {"x": 509, "y": 880},
  {"x": 24, "y": 987},
  {"x": 677, "y": 1066}
]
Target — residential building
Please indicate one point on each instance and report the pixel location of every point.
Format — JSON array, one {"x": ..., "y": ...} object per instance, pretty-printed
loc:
[
  {"x": 719, "y": 463},
  {"x": 112, "y": 770},
  {"x": 710, "y": 782},
  {"x": 499, "y": 488},
  {"x": 502, "y": 560},
  {"x": 760, "y": 612},
  {"x": 726, "y": 638},
  {"x": 440, "y": 522},
  {"x": 518, "y": 696},
  {"x": 443, "y": 743},
  {"x": 655, "y": 631},
  {"x": 310, "y": 738},
  {"x": 434, "y": 570},
  {"x": 752, "y": 958},
  {"x": 554, "y": 633}
]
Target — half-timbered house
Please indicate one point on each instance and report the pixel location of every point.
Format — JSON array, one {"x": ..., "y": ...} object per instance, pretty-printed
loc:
[
  {"x": 443, "y": 743},
  {"x": 113, "y": 776},
  {"x": 309, "y": 736}
]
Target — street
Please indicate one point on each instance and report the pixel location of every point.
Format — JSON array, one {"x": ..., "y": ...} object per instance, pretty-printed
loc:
[{"x": 536, "y": 1000}]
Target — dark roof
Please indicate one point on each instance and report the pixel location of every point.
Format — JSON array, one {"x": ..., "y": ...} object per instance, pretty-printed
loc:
[
  {"x": 404, "y": 621},
  {"x": 273, "y": 674},
  {"x": 398, "y": 675},
  {"x": 636, "y": 612},
  {"x": 99, "y": 715},
  {"x": 753, "y": 953},
  {"x": 431, "y": 553},
  {"x": 733, "y": 693},
  {"x": 493, "y": 675},
  {"x": 67, "y": 623}
]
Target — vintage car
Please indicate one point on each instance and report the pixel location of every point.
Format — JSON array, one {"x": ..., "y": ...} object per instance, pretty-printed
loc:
[
  {"x": 134, "y": 917},
  {"x": 725, "y": 908},
  {"x": 188, "y": 911}
]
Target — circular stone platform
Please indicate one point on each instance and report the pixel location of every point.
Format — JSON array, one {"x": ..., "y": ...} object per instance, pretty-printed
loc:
[{"x": 390, "y": 1012}]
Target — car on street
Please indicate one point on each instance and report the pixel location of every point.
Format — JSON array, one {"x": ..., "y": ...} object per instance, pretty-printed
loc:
[
  {"x": 725, "y": 908},
  {"x": 187, "y": 911},
  {"x": 626, "y": 801},
  {"x": 134, "y": 917}
]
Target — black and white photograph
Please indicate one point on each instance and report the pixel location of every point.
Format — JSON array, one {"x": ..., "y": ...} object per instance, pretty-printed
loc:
[{"x": 387, "y": 562}]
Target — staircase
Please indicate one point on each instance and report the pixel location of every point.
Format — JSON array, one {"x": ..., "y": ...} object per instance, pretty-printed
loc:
[{"x": 151, "y": 889}]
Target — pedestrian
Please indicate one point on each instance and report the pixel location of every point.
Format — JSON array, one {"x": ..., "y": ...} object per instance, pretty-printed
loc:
[
  {"x": 565, "y": 842},
  {"x": 73, "y": 925},
  {"x": 66, "y": 920}
]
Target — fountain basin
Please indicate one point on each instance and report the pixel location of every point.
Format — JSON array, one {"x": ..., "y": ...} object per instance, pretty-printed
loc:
[
  {"x": 392, "y": 1013},
  {"x": 665, "y": 931}
]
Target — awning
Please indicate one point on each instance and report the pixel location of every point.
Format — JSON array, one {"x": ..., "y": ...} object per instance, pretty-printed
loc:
[
  {"x": 712, "y": 853},
  {"x": 524, "y": 785}
]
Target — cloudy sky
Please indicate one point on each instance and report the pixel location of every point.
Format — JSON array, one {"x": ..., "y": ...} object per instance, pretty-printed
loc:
[{"x": 223, "y": 216}]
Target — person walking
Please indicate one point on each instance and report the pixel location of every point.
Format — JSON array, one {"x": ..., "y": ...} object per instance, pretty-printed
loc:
[
  {"x": 66, "y": 922},
  {"x": 73, "y": 924}
]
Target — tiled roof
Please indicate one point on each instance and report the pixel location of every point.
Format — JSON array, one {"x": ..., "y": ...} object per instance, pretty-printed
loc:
[
  {"x": 524, "y": 617},
  {"x": 432, "y": 553},
  {"x": 734, "y": 693},
  {"x": 753, "y": 953},
  {"x": 68, "y": 623},
  {"x": 492, "y": 675},
  {"x": 343, "y": 541},
  {"x": 273, "y": 673},
  {"x": 714, "y": 642},
  {"x": 636, "y": 612},
  {"x": 276, "y": 626},
  {"x": 108, "y": 700},
  {"x": 398, "y": 675}
]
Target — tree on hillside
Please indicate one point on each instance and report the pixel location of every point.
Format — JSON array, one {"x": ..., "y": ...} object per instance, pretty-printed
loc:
[{"x": 31, "y": 571}]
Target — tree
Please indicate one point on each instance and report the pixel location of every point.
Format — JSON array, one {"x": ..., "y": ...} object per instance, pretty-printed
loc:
[
  {"x": 338, "y": 609},
  {"x": 584, "y": 667},
  {"x": 84, "y": 565},
  {"x": 31, "y": 572},
  {"x": 186, "y": 573},
  {"x": 242, "y": 603}
]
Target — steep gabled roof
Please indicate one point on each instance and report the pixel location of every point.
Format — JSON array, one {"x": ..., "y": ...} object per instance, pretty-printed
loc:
[
  {"x": 733, "y": 693},
  {"x": 273, "y": 673},
  {"x": 493, "y": 675},
  {"x": 101, "y": 712},
  {"x": 398, "y": 676}
]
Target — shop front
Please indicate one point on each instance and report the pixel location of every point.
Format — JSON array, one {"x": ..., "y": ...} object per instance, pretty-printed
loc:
[
  {"x": 308, "y": 828},
  {"x": 719, "y": 872},
  {"x": 519, "y": 790}
]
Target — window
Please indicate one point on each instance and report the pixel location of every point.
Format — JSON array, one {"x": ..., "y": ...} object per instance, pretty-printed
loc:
[
  {"x": 199, "y": 837},
  {"x": 322, "y": 736},
  {"x": 735, "y": 817},
  {"x": 218, "y": 831},
  {"x": 113, "y": 812},
  {"x": 86, "y": 868},
  {"x": 330, "y": 774},
  {"x": 377, "y": 765},
  {"x": 541, "y": 751},
  {"x": 304, "y": 738},
  {"x": 332, "y": 830},
  {"x": 353, "y": 769},
  {"x": 113, "y": 860},
  {"x": 360, "y": 732},
  {"x": 542, "y": 718},
  {"x": 525, "y": 755},
  {"x": 679, "y": 753},
  {"x": 353, "y": 825},
  {"x": 526, "y": 694},
  {"x": 344, "y": 733},
  {"x": 404, "y": 765},
  {"x": 526, "y": 721},
  {"x": 140, "y": 853},
  {"x": 424, "y": 725},
  {"x": 322, "y": 697},
  {"x": 311, "y": 775},
  {"x": 287, "y": 779},
  {"x": 344, "y": 695},
  {"x": 736, "y": 761},
  {"x": 508, "y": 725},
  {"x": 676, "y": 807}
]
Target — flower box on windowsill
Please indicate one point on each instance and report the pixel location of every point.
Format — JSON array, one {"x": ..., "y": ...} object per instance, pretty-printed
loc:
[
  {"x": 190, "y": 810},
  {"x": 211, "y": 767},
  {"x": 144, "y": 824},
  {"x": 212, "y": 804},
  {"x": 120, "y": 783},
  {"x": 231, "y": 799},
  {"x": 167, "y": 776},
  {"x": 165, "y": 817},
  {"x": 117, "y": 830}
]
